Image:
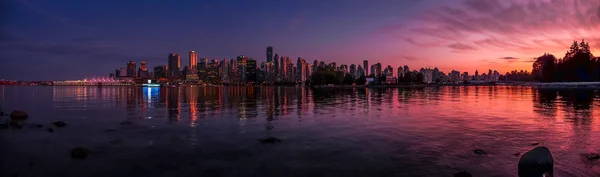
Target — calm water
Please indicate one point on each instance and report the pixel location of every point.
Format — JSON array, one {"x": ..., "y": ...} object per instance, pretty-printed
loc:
[{"x": 199, "y": 131}]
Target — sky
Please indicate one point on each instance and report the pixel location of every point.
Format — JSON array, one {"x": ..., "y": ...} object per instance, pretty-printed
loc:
[{"x": 74, "y": 39}]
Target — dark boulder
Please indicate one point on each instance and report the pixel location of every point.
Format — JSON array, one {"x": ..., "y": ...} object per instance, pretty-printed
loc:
[
  {"x": 79, "y": 153},
  {"x": 4, "y": 125},
  {"x": 59, "y": 124},
  {"x": 479, "y": 152},
  {"x": 536, "y": 163},
  {"x": 535, "y": 144},
  {"x": 110, "y": 130},
  {"x": 463, "y": 174},
  {"x": 517, "y": 154},
  {"x": 18, "y": 115},
  {"x": 270, "y": 140},
  {"x": 16, "y": 124},
  {"x": 591, "y": 156},
  {"x": 50, "y": 130}
]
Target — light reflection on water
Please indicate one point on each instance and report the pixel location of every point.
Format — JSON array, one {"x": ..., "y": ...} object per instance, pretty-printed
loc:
[{"x": 213, "y": 131}]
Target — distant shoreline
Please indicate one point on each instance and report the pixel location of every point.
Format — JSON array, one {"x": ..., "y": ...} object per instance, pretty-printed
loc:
[{"x": 549, "y": 85}]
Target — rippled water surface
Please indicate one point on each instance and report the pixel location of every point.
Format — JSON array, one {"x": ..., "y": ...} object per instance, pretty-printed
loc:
[{"x": 215, "y": 131}]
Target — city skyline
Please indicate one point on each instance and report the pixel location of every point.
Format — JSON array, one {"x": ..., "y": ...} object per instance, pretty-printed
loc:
[{"x": 462, "y": 35}]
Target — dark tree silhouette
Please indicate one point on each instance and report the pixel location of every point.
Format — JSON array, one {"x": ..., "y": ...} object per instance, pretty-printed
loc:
[
  {"x": 578, "y": 65},
  {"x": 348, "y": 79}
]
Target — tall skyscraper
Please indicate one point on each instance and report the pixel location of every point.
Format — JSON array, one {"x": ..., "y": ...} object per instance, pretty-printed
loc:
[
  {"x": 301, "y": 69},
  {"x": 160, "y": 72},
  {"x": 131, "y": 69},
  {"x": 143, "y": 71},
  {"x": 353, "y": 70},
  {"x": 174, "y": 65},
  {"x": 269, "y": 54},
  {"x": 251, "y": 74},
  {"x": 241, "y": 64},
  {"x": 406, "y": 69},
  {"x": 193, "y": 62},
  {"x": 366, "y": 67}
]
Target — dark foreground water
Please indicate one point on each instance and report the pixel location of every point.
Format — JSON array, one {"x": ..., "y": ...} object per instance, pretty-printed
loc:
[{"x": 215, "y": 131}]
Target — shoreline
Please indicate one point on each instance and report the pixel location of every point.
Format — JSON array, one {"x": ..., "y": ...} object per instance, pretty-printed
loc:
[{"x": 549, "y": 85}]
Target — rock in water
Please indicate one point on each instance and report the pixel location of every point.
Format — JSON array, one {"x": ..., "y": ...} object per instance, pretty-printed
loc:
[
  {"x": 79, "y": 153},
  {"x": 18, "y": 115},
  {"x": 270, "y": 140},
  {"x": 463, "y": 174},
  {"x": 15, "y": 124},
  {"x": 479, "y": 152},
  {"x": 59, "y": 124},
  {"x": 536, "y": 163},
  {"x": 3, "y": 126},
  {"x": 50, "y": 130}
]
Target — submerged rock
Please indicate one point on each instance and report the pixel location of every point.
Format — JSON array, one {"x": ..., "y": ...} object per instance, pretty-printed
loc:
[
  {"x": 517, "y": 154},
  {"x": 4, "y": 126},
  {"x": 18, "y": 115},
  {"x": 463, "y": 174},
  {"x": 591, "y": 156},
  {"x": 126, "y": 123},
  {"x": 270, "y": 140},
  {"x": 50, "y": 130},
  {"x": 79, "y": 153},
  {"x": 536, "y": 163},
  {"x": 110, "y": 130},
  {"x": 15, "y": 124},
  {"x": 479, "y": 152},
  {"x": 59, "y": 124},
  {"x": 535, "y": 144}
]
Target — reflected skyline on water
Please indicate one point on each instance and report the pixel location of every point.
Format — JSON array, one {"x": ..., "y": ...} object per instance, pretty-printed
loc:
[{"x": 431, "y": 131}]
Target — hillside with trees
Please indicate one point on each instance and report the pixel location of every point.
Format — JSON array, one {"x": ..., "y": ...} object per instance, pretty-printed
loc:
[{"x": 578, "y": 65}]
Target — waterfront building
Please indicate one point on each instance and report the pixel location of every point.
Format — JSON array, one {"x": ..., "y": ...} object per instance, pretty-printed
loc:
[{"x": 174, "y": 65}]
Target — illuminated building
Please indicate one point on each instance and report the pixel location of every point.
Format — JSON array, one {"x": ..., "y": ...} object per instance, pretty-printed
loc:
[{"x": 193, "y": 61}]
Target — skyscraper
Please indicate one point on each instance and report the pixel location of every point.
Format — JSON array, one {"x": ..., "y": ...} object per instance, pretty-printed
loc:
[
  {"x": 353, "y": 71},
  {"x": 143, "y": 71},
  {"x": 174, "y": 65},
  {"x": 193, "y": 62},
  {"x": 131, "y": 69},
  {"x": 251, "y": 74},
  {"x": 366, "y": 67},
  {"x": 160, "y": 72},
  {"x": 406, "y": 69},
  {"x": 269, "y": 54},
  {"x": 241, "y": 64}
]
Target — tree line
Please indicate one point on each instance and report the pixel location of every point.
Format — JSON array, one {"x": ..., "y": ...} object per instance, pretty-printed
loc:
[{"x": 578, "y": 65}]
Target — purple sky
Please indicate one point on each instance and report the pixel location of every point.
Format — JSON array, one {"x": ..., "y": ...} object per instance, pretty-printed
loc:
[{"x": 73, "y": 39}]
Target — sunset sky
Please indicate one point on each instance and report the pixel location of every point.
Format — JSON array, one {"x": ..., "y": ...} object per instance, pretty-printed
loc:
[{"x": 72, "y": 39}]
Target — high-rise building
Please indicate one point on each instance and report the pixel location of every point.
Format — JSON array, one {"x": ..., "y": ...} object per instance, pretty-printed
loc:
[
  {"x": 390, "y": 71},
  {"x": 123, "y": 72},
  {"x": 160, "y": 72},
  {"x": 372, "y": 70},
  {"x": 131, "y": 69},
  {"x": 224, "y": 74},
  {"x": 360, "y": 71},
  {"x": 353, "y": 71},
  {"x": 241, "y": 64},
  {"x": 251, "y": 73},
  {"x": 276, "y": 64},
  {"x": 366, "y": 67},
  {"x": 143, "y": 71},
  {"x": 117, "y": 73},
  {"x": 301, "y": 70},
  {"x": 174, "y": 65},
  {"x": 315, "y": 66},
  {"x": 193, "y": 62},
  {"x": 269, "y": 54},
  {"x": 406, "y": 69},
  {"x": 400, "y": 72},
  {"x": 378, "y": 69}
]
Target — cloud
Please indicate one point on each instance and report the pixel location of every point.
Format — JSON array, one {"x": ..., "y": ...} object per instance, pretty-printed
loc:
[
  {"x": 461, "y": 47},
  {"x": 410, "y": 58},
  {"x": 509, "y": 58},
  {"x": 528, "y": 27}
]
